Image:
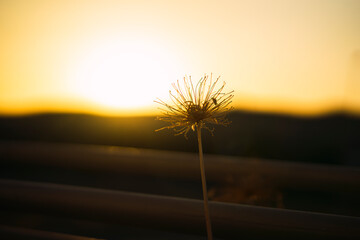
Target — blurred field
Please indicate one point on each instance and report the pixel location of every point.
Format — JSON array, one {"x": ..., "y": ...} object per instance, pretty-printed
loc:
[
  {"x": 62, "y": 173},
  {"x": 329, "y": 139},
  {"x": 69, "y": 188}
]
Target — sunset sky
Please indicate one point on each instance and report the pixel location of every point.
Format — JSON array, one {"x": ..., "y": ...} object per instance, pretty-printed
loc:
[{"x": 116, "y": 57}]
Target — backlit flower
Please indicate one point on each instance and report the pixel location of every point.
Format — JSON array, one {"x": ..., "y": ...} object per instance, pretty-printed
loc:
[{"x": 196, "y": 106}]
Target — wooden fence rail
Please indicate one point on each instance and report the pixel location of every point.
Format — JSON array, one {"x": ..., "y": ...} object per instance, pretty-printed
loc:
[
  {"x": 181, "y": 215},
  {"x": 230, "y": 221},
  {"x": 18, "y": 233},
  {"x": 177, "y": 165}
]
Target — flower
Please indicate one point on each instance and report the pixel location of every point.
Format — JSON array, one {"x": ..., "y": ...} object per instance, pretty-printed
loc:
[{"x": 196, "y": 106}]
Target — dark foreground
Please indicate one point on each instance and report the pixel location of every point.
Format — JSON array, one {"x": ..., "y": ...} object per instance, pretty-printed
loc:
[
  {"x": 63, "y": 191},
  {"x": 269, "y": 177},
  {"x": 330, "y": 139}
]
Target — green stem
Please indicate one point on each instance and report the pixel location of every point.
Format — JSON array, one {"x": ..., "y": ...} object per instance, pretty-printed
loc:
[{"x": 203, "y": 181}]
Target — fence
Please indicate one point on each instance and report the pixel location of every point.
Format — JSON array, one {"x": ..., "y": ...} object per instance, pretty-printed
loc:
[{"x": 47, "y": 196}]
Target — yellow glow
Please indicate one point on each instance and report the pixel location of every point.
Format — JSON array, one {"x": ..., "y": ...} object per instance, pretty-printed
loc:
[
  {"x": 116, "y": 57},
  {"x": 122, "y": 75}
]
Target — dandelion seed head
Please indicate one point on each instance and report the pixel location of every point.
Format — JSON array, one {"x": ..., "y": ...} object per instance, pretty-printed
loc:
[{"x": 196, "y": 105}]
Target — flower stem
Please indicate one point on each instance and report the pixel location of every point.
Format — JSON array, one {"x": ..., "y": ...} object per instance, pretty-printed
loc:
[{"x": 203, "y": 181}]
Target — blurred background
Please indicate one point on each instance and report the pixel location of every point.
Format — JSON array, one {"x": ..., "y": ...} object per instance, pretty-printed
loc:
[{"x": 87, "y": 73}]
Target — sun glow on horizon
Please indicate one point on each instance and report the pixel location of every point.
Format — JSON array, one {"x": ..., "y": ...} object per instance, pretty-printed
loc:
[
  {"x": 121, "y": 75},
  {"x": 117, "y": 57}
]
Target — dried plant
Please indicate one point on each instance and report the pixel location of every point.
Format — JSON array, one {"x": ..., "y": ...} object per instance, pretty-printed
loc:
[{"x": 194, "y": 107}]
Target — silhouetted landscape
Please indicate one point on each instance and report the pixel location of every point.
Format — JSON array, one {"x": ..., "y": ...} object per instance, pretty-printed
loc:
[
  {"x": 82, "y": 82},
  {"x": 67, "y": 161},
  {"x": 332, "y": 138}
]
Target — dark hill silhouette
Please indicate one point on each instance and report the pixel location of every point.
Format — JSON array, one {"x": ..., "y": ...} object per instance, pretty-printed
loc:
[{"x": 333, "y": 138}]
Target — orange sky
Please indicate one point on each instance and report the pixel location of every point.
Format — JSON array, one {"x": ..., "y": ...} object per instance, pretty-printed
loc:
[{"x": 116, "y": 57}]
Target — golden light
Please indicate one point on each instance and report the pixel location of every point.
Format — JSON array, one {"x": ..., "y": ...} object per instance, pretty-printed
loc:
[
  {"x": 116, "y": 57},
  {"x": 122, "y": 74}
]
